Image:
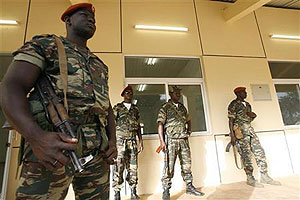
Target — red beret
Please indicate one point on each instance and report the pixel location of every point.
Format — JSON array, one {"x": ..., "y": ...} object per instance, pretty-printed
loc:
[
  {"x": 75, "y": 7},
  {"x": 127, "y": 88},
  {"x": 239, "y": 89}
]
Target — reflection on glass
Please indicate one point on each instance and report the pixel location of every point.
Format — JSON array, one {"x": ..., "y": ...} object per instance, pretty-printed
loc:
[
  {"x": 149, "y": 99},
  {"x": 289, "y": 100},
  {"x": 192, "y": 100},
  {"x": 159, "y": 67},
  {"x": 285, "y": 70}
]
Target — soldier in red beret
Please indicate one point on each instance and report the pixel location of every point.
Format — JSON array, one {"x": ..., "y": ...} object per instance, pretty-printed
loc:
[
  {"x": 242, "y": 133},
  {"x": 128, "y": 128},
  {"x": 47, "y": 172}
]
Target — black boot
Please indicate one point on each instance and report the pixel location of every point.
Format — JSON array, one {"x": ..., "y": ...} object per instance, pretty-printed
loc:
[
  {"x": 117, "y": 196},
  {"x": 190, "y": 189},
  {"x": 166, "y": 194},
  {"x": 134, "y": 195}
]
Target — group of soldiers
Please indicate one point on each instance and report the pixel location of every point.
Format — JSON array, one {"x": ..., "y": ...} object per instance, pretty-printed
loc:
[{"x": 104, "y": 135}]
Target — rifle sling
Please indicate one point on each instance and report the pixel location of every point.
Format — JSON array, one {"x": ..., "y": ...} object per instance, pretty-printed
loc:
[{"x": 62, "y": 59}]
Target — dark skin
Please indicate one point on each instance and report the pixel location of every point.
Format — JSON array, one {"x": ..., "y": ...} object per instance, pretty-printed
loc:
[
  {"x": 240, "y": 95},
  {"x": 128, "y": 96},
  {"x": 47, "y": 146},
  {"x": 175, "y": 97}
]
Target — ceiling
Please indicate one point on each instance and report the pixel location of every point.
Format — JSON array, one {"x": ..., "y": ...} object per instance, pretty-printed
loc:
[{"x": 290, "y": 4}]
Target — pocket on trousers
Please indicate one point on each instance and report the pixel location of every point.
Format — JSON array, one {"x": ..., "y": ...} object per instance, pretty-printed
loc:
[{"x": 91, "y": 137}]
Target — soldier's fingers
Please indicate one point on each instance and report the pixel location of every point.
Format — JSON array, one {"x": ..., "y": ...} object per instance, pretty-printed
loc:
[
  {"x": 61, "y": 158},
  {"x": 67, "y": 146},
  {"x": 67, "y": 138}
]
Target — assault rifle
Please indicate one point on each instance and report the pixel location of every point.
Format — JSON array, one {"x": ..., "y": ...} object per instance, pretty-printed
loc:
[{"x": 57, "y": 114}]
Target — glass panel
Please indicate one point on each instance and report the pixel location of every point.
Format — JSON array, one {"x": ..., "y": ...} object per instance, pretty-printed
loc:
[
  {"x": 149, "y": 99},
  {"x": 5, "y": 60},
  {"x": 193, "y": 101},
  {"x": 289, "y": 100},
  {"x": 156, "y": 67},
  {"x": 285, "y": 70}
]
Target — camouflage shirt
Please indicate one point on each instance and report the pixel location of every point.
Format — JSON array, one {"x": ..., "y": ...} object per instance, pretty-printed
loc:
[
  {"x": 174, "y": 119},
  {"x": 87, "y": 85},
  {"x": 127, "y": 121},
  {"x": 238, "y": 111}
]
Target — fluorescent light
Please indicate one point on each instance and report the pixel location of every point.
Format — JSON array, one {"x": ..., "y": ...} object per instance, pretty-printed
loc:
[
  {"x": 164, "y": 28},
  {"x": 141, "y": 87},
  {"x": 6, "y": 22},
  {"x": 291, "y": 37},
  {"x": 151, "y": 61}
]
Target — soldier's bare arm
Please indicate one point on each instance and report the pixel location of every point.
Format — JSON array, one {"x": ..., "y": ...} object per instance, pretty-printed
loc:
[
  {"x": 46, "y": 146},
  {"x": 111, "y": 152},
  {"x": 161, "y": 136},
  {"x": 232, "y": 136}
]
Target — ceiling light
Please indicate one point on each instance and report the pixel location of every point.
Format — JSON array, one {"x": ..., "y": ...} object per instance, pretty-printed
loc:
[
  {"x": 163, "y": 28},
  {"x": 141, "y": 87},
  {"x": 290, "y": 37},
  {"x": 151, "y": 61},
  {"x": 8, "y": 22}
]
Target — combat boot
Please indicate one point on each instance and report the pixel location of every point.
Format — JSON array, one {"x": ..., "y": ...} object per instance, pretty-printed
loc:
[
  {"x": 166, "y": 194},
  {"x": 134, "y": 195},
  {"x": 265, "y": 178},
  {"x": 190, "y": 189},
  {"x": 117, "y": 196},
  {"x": 252, "y": 182}
]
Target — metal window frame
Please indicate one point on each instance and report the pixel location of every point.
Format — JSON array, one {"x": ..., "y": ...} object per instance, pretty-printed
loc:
[
  {"x": 177, "y": 81},
  {"x": 287, "y": 82}
]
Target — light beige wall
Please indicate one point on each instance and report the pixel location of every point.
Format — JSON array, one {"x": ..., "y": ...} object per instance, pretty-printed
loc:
[
  {"x": 223, "y": 74},
  {"x": 220, "y": 38},
  {"x": 12, "y": 36},
  {"x": 292, "y": 139},
  {"x": 164, "y": 13},
  {"x": 107, "y": 37},
  {"x": 283, "y": 22}
]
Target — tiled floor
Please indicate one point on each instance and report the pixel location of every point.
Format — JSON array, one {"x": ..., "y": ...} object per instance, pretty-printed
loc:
[{"x": 289, "y": 190}]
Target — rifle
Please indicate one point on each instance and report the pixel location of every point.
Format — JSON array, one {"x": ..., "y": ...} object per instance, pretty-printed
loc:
[
  {"x": 236, "y": 148},
  {"x": 57, "y": 114}
]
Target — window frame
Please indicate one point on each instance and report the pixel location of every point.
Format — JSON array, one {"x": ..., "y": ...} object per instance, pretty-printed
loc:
[
  {"x": 175, "y": 81},
  {"x": 286, "y": 82}
]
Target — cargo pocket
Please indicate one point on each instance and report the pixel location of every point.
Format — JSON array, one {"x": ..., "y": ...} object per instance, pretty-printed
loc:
[{"x": 91, "y": 138}]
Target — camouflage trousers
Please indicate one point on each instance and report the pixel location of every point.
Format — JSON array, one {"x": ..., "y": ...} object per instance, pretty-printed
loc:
[
  {"x": 37, "y": 182},
  {"x": 250, "y": 144},
  {"x": 180, "y": 148},
  {"x": 127, "y": 158}
]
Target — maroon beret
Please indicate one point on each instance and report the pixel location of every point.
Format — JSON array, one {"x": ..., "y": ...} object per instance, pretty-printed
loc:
[
  {"x": 75, "y": 7},
  {"x": 125, "y": 89},
  {"x": 239, "y": 89}
]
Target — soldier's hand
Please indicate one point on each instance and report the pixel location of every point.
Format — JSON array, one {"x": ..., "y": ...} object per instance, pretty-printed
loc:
[
  {"x": 141, "y": 145},
  {"x": 111, "y": 153},
  {"x": 49, "y": 147},
  {"x": 163, "y": 146},
  {"x": 251, "y": 114}
]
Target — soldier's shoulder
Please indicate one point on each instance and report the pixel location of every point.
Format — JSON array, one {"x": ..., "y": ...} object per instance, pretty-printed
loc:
[
  {"x": 118, "y": 105},
  {"x": 45, "y": 37}
]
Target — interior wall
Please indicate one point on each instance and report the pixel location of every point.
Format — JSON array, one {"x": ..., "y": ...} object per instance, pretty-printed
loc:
[
  {"x": 221, "y": 38},
  {"x": 11, "y": 36},
  {"x": 283, "y": 22},
  {"x": 162, "y": 13},
  {"x": 223, "y": 74}
]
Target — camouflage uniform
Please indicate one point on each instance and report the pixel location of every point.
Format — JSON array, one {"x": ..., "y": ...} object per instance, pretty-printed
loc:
[
  {"x": 87, "y": 86},
  {"x": 127, "y": 125},
  {"x": 250, "y": 142},
  {"x": 176, "y": 137}
]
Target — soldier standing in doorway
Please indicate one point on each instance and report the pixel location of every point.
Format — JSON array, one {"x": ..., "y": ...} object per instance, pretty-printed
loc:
[
  {"x": 174, "y": 129},
  {"x": 128, "y": 127},
  {"x": 240, "y": 117}
]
